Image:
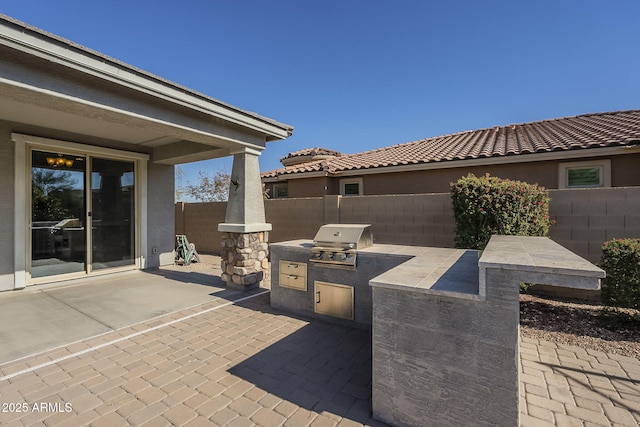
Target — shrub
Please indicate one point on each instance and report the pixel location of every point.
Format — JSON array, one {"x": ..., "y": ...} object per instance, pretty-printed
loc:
[
  {"x": 621, "y": 261},
  {"x": 487, "y": 205}
]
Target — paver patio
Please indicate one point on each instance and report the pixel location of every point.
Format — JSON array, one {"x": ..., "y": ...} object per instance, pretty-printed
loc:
[{"x": 243, "y": 363}]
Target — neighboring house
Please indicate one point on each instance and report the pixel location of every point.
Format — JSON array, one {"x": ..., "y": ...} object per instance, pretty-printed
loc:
[
  {"x": 90, "y": 145},
  {"x": 591, "y": 150}
]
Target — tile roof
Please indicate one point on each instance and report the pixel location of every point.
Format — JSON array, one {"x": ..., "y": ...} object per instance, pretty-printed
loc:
[
  {"x": 599, "y": 130},
  {"x": 316, "y": 151}
]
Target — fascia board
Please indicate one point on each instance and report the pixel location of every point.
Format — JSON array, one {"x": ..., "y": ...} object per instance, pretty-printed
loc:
[
  {"x": 286, "y": 177},
  {"x": 83, "y": 60}
]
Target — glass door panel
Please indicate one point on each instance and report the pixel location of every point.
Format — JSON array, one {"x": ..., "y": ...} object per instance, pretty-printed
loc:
[
  {"x": 112, "y": 213},
  {"x": 58, "y": 236}
]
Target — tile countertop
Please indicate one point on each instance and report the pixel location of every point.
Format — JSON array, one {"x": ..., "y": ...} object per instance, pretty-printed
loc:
[
  {"x": 443, "y": 271},
  {"x": 541, "y": 260},
  {"x": 460, "y": 273}
]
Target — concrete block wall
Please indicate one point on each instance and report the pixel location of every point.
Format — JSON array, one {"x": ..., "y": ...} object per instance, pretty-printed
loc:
[
  {"x": 414, "y": 219},
  {"x": 293, "y": 219},
  {"x": 586, "y": 218},
  {"x": 199, "y": 222}
]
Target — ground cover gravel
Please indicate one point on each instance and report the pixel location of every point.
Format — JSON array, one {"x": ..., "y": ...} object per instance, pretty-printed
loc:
[{"x": 585, "y": 325}]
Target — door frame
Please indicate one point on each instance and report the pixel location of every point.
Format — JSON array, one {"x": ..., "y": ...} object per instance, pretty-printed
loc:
[{"x": 25, "y": 144}]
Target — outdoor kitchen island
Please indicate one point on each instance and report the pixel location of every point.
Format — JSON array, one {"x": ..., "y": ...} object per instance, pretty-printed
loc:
[
  {"x": 346, "y": 290},
  {"x": 445, "y": 340}
]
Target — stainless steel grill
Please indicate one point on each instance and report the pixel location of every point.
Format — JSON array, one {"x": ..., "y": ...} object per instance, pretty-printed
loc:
[{"x": 337, "y": 244}]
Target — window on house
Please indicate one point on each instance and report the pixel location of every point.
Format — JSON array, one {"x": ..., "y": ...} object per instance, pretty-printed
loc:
[
  {"x": 351, "y": 187},
  {"x": 585, "y": 174},
  {"x": 280, "y": 191}
]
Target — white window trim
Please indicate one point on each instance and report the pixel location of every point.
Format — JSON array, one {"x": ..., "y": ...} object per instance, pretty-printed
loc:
[
  {"x": 604, "y": 165},
  {"x": 345, "y": 181}
]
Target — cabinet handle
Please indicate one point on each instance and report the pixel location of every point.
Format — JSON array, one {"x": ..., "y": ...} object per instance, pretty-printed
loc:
[
  {"x": 293, "y": 265},
  {"x": 317, "y": 297},
  {"x": 292, "y": 276}
]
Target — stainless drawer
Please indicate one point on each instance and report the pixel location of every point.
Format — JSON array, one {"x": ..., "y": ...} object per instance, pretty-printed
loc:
[{"x": 293, "y": 275}]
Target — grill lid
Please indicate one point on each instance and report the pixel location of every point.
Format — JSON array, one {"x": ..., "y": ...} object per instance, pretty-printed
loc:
[{"x": 344, "y": 236}]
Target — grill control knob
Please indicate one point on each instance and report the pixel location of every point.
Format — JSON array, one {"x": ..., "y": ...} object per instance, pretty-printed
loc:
[
  {"x": 331, "y": 255},
  {"x": 319, "y": 255},
  {"x": 342, "y": 257}
]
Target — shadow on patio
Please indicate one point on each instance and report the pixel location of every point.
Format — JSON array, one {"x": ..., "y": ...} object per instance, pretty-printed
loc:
[{"x": 322, "y": 367}]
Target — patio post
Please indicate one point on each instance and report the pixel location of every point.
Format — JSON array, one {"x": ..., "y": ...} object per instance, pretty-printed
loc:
[{"x": 245, "y": 233}]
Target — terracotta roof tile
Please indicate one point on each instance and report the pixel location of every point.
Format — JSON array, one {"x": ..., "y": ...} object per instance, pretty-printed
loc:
[
  {"x": 570, "y": 133},
  {"x": 316, "y": 151}
]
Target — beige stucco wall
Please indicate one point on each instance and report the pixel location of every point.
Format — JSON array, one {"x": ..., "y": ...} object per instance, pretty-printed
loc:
[
  {"x": 439, "y": 180},
  {"x": 624, "y": 173},
  {"x": 307, "y": 187}
]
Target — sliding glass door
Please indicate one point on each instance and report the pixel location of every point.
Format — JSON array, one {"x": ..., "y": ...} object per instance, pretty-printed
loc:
[
  {"x": 58, "y": 231},
  {"x": 112, "y": 213},
  {"x": 82, "y": 214}
]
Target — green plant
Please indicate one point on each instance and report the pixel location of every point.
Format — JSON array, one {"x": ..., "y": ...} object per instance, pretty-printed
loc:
[
  {"x": 524, "y": 287},
  {"x": 621, "y": 261},
  {"x": 484, "y": 206}
]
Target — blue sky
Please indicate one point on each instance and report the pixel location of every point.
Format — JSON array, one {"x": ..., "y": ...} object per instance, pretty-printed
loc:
[{"x": 354, "y": 75}]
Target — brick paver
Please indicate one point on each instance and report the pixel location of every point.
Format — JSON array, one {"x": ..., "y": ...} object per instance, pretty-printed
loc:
[
  {"x": 566, "y": 385},
  {"x": 246, "y": 364}
]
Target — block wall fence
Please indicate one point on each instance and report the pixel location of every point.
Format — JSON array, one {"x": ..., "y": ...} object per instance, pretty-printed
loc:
[{"x": 585, "y": 218}]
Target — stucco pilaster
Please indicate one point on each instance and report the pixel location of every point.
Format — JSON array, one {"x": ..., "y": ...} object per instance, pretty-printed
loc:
[{"x": 245, "y": 238}]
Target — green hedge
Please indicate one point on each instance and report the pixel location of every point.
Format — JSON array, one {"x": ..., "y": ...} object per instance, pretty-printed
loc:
[
  {"x": 621, "y": 261},
  {"x": 484, "y": 206}
]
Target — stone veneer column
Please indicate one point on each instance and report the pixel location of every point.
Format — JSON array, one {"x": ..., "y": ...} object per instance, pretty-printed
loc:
[
  {"x": 245, "y": 233},
  {"x": 244, "y": 259}
]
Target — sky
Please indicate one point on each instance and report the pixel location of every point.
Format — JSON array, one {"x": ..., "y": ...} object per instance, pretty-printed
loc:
[{"x": 355, "y": 75}]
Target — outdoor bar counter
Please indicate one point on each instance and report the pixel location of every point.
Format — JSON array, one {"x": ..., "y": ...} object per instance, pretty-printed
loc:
[{"x": 445, "y": 322}]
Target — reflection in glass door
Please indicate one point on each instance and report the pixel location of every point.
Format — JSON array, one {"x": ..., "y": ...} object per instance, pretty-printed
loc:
[
  {"x": 112, "y": 213},
  {"x": 73, "y": 194},
  {"x": 58, "y": 238}
]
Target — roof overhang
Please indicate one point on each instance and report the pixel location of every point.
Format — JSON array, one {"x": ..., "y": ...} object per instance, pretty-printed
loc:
[{"x": 51, "y": 84}]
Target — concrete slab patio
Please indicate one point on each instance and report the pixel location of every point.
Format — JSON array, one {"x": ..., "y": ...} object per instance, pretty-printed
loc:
[
  {"x": 233, "y": 360},
  {"x": 46, "y": 317}
]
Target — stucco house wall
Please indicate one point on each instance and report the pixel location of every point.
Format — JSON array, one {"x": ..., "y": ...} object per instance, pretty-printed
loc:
[
  {"x": 602, "y": 149},
  {"x": 160, "y": 215},
  {"x": 7, "y": 233},
  {"x": 624, "y": 173},
  {"x": 123, "y": 124}
]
